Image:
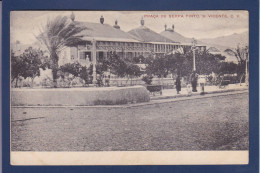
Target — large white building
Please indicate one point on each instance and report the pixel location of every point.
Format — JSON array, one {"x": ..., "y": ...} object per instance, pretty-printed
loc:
[{"x": 100, "y": 38}]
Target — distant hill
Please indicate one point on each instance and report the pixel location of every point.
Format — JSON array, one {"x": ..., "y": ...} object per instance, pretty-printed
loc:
[
  {"x": 230, "y": 41},
  {"x": 216, "y": 45},
  {"x": 221, "y": 43}
]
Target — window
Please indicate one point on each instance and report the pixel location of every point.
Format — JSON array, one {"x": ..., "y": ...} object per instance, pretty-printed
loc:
[{"x": 81, "y": 55}]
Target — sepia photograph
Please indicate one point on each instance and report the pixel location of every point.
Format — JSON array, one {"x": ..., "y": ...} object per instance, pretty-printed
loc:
[{"x": 129, "y": 87}]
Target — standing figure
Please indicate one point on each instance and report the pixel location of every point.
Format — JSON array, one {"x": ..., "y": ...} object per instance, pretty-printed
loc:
[
  {"x": 193, "y": 80},
  {"x": 107, "y": 79},
  {"x": 202, "y": 82},
  {"x": 178, "y": 84},
  {"x": 189, "y": 89}
]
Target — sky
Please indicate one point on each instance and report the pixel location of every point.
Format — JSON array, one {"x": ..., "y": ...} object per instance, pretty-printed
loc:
[{"x": 25, "y": 25}]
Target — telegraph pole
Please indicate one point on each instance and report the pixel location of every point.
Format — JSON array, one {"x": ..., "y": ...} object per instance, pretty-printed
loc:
[{"x": 193, "y": 50}]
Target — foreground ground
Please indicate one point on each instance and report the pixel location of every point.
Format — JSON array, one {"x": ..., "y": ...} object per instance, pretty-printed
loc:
[{"x": 216, "y": 123}]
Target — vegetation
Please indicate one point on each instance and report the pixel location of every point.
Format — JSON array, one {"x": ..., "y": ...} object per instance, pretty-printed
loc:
[
  {"x": 68, "y": 72},
  {"x": 33, "y": 61},
  {"x": 54, "y": 37},
  {"x": 57, "y": 34},
  {"x": 139, "y": 60},
  {"x": 228, "y": 68},
  {"x": 28, "y": 64},
  {"x": 16, "y": 68},
  {"x": 242, "y": 55},
  {"x": 147, "y": 79},
  {"x": 182, "y": 64},
  {"x": 120, "y": 67}
]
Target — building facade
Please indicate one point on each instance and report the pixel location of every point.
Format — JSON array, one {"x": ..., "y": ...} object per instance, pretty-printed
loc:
[{"x": 100, "y": 39}]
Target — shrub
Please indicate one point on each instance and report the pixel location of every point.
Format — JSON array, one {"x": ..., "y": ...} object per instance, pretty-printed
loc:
[{"x": 147, "y": 79}]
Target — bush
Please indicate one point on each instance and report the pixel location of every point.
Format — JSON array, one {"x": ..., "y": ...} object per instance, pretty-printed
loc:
[
  {"x": 147, "y": 79},
  {"x": 47, "y": 82}
]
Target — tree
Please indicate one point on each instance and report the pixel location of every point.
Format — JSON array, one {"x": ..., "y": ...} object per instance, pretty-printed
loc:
[
  {"x": 76, "y": 70},
  {"x": 57, "y": 34},
  {"x": 174, "y": 62},
  {"x": 157, "y": 66},
  {"x": 33, "y": 61},
  {"x": 85, "y": 75},
  {"x": 148, "y": 79},
  {"x": 228, "y": 68},
  {"x": 28, "y": 64},
  {"x": 163, "y": 65},
  {"x": 242, "y": 55},
  {"x": 238, "y": 52},
  {"x": 71, "y": 68},
  {"x": 182, "y": 63},
  {"x": 207, "y": 63},
  {"x": 17, "y": 65},
  {"x": 119, "y": 66},
  {"x": 132, "y": 71}
]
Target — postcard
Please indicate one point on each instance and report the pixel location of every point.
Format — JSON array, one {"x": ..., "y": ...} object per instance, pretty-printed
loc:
[{"x": 129, "y": 87}]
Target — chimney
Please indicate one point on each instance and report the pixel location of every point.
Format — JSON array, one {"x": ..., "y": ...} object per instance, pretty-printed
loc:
[
  {"x": 102, "y": 19},
  {"x": 142, "y": 21},
  {"x": 116, "y": 26},
  {"x": 72, "y": 16}
]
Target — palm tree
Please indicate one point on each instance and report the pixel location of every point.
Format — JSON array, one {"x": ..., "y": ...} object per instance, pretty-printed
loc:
[
  {"x": 238, "y": 53},
  {"x": 57, "y": 34},
  {"x": 242, "y": 55}
]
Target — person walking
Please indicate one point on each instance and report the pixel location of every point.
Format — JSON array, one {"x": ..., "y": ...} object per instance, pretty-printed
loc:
[
  {"x": 194, "y": 80},
  {"x": 178, "y": 84}
]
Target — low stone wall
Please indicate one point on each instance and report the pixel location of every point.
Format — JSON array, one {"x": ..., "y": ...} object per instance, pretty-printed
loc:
[{"x": 79, "y": 96}]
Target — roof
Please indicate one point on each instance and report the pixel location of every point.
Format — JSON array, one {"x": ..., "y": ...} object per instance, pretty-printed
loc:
[
  {"x": 164, "y": 43},
  {"x": 109, "y": 39},
  {"x": 174, "y": 36},
  {"x": 104, "y": 32},
  {"x": 190, "y": 44},
  {"x": 213, "y": 49},
  {"x": 147, "y": 35}
]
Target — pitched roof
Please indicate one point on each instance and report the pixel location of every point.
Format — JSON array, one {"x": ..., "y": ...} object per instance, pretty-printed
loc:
[
  {"x": 176, "y": 36},
  {"x": 213, "y": 49},
  {"x": 147, "y": 35},
  {"x": 104, "y": 32}
]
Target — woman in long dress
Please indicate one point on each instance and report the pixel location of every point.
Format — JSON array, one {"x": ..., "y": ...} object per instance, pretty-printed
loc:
[{"x": 178, "y": 84}]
